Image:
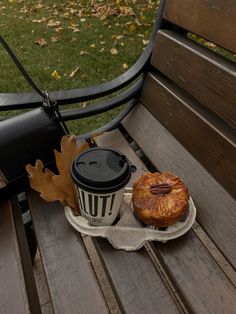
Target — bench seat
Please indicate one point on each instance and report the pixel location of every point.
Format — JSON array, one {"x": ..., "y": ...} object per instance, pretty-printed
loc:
[{"x": 184, "y": 123}]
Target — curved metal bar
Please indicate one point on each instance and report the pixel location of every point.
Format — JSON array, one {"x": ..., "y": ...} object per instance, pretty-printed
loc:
[
  {"x": 78, "y": 113},
  {"x": 10, "y": 101},
  {"x": 91, "y": 110},
  {"x": 113, "y": 124}
]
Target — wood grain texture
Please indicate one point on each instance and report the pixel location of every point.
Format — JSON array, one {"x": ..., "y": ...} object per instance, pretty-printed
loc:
[
  {"x": 215, "y": 207},
  {"x": 71, "y": 281},
  {"x": 213, "y": 20},
  {"x": 204, "y": 135},
  {"x": 13, "y": 296},
  {"x": 138, "y": 287},
  {"x": 209, "y": 78},
  {"x": 136, "y": 283},
  {"x": 188, "y": 263},
  {"x": 199, "y": 278}
]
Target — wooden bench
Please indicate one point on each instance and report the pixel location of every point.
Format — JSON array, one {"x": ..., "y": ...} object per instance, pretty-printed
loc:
[{"x": 184, "y": 123}]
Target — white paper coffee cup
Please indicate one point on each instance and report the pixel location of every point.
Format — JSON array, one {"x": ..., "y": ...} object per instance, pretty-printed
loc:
[{"x": 100, "y": 176}]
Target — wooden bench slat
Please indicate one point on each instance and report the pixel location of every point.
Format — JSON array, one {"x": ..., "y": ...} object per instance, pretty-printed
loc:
[
  {"x": 208, "y": 77},
  {"x": 213, "y": 20},
  {"x": 216, "y": 208},
  {"x": 13, "y": 296},
  {"x": 136, "y": 282},
  {"x": 204, "y": 135},
  {"x": 194, "y": 269},
  {"x": 189, "y": 266},
  {"x": 138, "y": 287},
  {"x": 71, "y": 281}
]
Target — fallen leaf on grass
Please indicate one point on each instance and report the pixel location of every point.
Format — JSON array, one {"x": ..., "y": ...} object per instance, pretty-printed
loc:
[
  {"x": 142, "y": 18},
  {"x": 126, "y": 11},
  {"x": 53, "y": 23},
  {"x": 41, "y": 42},
  {"x": 132, "y": 27},
  {"x": 145, "y": 42},
  {"x": 58, "y": 29},
  {"x": 74, "y": 72},
  {"x": 56, "y": 75},
  {"x": 39, "y": 6},
  {"x": 74, "y": 29},
  {"x": 114, "y": 51},
  {"x": 117, "y": 37},
  {"x": 125, "y": 66},
  {"x": 37, "y": 21},
  {"x": 83, "y": 52}
]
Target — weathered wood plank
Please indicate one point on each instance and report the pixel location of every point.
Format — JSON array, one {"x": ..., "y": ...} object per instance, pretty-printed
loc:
[
  {"x": 194, "y": 271},
  {"x": 205, "y": 136},
  {"x": 213, "y": 20},
  {"x": 210, "y": 78},
  {"x": 188, "y": 265},
  {"x": 216, "y": 208},
  {"x": 138, "y": 286},
  {"x": 71, "y": 281},
  {"x": 13, "y": 296}
]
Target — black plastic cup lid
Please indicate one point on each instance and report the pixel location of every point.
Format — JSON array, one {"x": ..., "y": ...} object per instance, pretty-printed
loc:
[{"x": 101, "y": 170}]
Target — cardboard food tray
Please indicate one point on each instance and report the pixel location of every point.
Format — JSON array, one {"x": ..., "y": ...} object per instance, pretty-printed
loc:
[{"x": 128, "y": 233}]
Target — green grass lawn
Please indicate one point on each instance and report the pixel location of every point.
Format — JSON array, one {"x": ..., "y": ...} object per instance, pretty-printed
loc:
[{"x": 71, "y": 44}]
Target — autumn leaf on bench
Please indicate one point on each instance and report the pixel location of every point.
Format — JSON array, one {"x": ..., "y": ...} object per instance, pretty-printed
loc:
[
  {"x": 69, "y": 150},
  {"x": 41, "y": 181},
  {"x": 58, "y": 187}
]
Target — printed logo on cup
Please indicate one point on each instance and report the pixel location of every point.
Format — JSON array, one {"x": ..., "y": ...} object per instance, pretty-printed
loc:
[{"x": 100, "y": 207}]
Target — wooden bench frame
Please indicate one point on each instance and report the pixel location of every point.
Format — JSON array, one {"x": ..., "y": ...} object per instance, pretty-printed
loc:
[{"x": 181, "y": 119}]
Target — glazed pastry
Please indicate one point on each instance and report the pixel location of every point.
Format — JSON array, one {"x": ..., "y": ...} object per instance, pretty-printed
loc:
[{"x": 159, "y": 199}]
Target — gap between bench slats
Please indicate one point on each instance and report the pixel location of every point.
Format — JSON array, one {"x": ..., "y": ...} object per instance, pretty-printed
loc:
[
  {"x": 214, "y": 20},
  {"x": 216, "y": 208},
  {"x": 210, "y": 78},
  {"x": 13, "y": 295},
  {"x": 71, "y": 280},
  {"x": 136, "y": 283},
  {"x": 194, "y": 270},
  {"x": 26, "y": 261},
  {"x": 205, "y": 136}
]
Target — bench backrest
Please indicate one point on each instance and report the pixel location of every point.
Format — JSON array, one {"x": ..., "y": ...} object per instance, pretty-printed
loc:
[{"x": 186, "y": 122}]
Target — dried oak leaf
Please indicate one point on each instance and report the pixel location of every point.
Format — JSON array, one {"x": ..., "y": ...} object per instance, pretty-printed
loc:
[
  {"x": 58, "y": 187},
  {"x": 69, "y": 150},
  {"x": 41, "y": 181}
]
